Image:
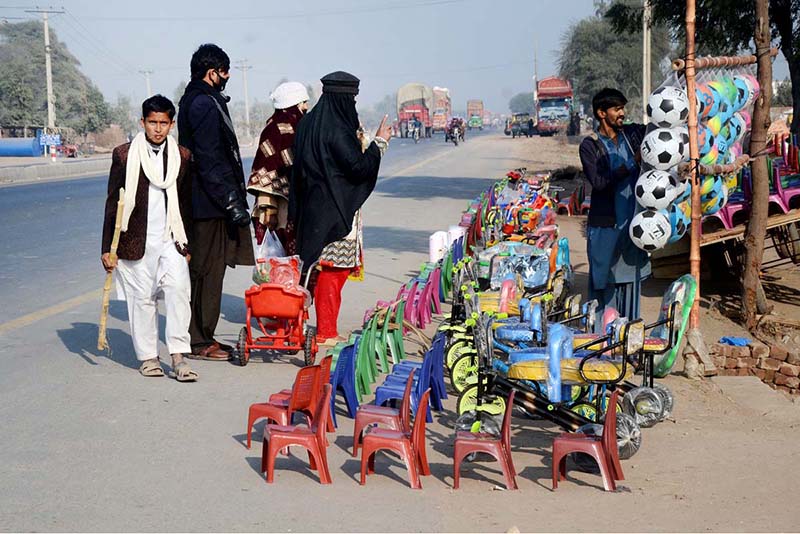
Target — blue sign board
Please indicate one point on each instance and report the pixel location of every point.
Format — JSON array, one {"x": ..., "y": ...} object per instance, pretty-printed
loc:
[{"x": 50, "y": 139}]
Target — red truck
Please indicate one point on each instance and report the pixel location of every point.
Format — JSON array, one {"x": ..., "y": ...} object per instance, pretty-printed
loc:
[
  {"x": 442, "y": 109},
  {"x": 553, "y": 105},
  {"x": 415, "y": 100}
]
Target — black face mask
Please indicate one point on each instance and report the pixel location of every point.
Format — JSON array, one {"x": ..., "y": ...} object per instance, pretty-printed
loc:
[{"x": 220, "y": 85}]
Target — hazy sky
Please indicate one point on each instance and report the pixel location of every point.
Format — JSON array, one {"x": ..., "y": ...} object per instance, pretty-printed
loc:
[{"x": 477, "y": 48}]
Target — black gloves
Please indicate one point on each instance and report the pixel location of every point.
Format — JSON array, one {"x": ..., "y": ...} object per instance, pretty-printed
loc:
[{"x": 237, "y": 209}]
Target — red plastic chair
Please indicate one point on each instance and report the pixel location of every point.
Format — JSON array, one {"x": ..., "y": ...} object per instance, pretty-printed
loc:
[
  {"x": 301, "y": 400},
  {"x": 324, "y": 378},
  {"x": 499, "y": 448},
  {"x": 410, "y": 447},
  {"x": 370, "y": 414},
  {"x": 313, "y": 439},
  {"x": 603, "y": 449}
]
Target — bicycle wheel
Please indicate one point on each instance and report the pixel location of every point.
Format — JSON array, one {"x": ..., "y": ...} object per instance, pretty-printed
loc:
[
  {"x": 463, "y": 369},
  {"x": 468, "y": 401},
  {"x": 455, "y": 351},
  {"x": 586, "y": 409}
]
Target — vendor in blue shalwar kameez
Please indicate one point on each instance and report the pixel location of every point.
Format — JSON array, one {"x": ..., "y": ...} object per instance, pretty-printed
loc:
[{"x": 610, "y": 158}]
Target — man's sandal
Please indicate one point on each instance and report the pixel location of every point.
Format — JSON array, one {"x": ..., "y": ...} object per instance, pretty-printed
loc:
[
  {"x": 183, "y": 373},
  {"x": 151, "y": 368}
]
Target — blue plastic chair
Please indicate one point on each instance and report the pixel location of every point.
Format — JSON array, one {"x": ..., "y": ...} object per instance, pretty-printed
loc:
[
  {"x": 343, "y": 380},
  {"x": 438, "y": 386},
  {"x": 393, "y": 388}
]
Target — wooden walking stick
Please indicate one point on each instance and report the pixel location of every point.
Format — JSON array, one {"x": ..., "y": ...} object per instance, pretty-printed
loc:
[{"x": 102, "y": 342}]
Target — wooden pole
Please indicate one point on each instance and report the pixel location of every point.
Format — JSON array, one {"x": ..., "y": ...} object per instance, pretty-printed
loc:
[
  {"x": 720, "y": 61},
  {"x": 102, "y": 342},
  {"x": 757, "y": 224},
  {"x": 694, "y": 160}
]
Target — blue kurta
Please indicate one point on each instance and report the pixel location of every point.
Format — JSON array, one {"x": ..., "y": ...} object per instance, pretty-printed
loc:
[{"x": 613, "y": 257}]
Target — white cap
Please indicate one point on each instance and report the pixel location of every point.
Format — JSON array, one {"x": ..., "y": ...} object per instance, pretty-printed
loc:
[{"x": 288, "y": 94}]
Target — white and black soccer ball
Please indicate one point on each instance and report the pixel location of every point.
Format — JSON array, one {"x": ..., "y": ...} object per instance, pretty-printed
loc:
[
  {"x": 650, "y": 230},
  {"x": 655, "y": 189},
  {"x": 668, "y": 106},
  {"x": 663, "y": 148}
]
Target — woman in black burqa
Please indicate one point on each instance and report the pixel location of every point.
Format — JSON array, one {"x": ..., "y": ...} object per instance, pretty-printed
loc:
[{"x": 333, "y": 175}]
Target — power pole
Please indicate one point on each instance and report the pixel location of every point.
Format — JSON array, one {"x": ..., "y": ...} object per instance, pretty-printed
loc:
[
  {"x": 647, "y": 16},
  {"x": 146, "y": 74},
  {"x": 535, "y": 79},
  {"x": 51, "y": 103},
  {"x": 244, "y": 67}
]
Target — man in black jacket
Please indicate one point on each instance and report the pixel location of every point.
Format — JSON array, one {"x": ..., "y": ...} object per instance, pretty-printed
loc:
[
  {"x": 221, "y": 234},
  {"x": 611, "y": 162}
]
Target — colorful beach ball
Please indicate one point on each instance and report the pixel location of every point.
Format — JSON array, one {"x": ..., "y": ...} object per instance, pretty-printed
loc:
[
  {"x": 705, "y": 139},
  {"x": 712, "y": 202},
  {"x": 715, "y": 124},
  {"x": 711, "y": 157},
  {"x": 710, "y": 184},
  {"x": 679, "y": 221},
  {"x": 706, "y": 104}
]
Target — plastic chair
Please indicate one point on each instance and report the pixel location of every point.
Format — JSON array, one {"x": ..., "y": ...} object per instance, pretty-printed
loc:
[
  {"x": 372, "y": 414},
  {"x": 410, "y": 447},
  {"x": 301, "y": 399},
  {"x": 325, "y": 377},
  {"x": 437, "y": 384},
  {"x": 603, "y": 449},
  {"x": 499, "y": 448},
  {"x": 313, "y": 439},
  {"x": 394, "y": 385},
  {"x": 343, "y": 379}
]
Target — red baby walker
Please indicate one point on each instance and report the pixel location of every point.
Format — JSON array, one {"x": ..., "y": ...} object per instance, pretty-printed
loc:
[{"x": 280, "y": 308}]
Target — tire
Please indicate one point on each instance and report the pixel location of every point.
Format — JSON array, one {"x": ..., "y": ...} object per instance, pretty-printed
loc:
[
  {"x": 586, "y": 409},
  {"x": 309, "y": 346},
  {"x": 786, "y": 242},
  {"x": 468, "y": 400},
  {"x": 644, "y": 405},
  {"x": 667, "y": 400},
  {"x": 242, "y": 352},
  {"x": 464, "y": 372},
  {"x": 454, "y": 352}
]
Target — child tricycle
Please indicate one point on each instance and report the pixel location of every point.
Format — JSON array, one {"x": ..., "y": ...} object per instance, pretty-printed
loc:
[{"x": 280, "y": 308}]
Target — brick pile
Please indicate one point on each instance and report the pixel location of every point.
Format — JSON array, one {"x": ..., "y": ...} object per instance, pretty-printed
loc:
[{"x": 776, "y": 365}]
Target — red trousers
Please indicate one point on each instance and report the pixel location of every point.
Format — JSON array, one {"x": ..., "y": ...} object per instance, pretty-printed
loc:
[{"x": 328, "y": 299}]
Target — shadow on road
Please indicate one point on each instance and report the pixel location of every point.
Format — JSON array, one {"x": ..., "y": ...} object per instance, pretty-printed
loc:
[
  {"x": 81, "y": 339},
  {"x": 427, "y": 187}
]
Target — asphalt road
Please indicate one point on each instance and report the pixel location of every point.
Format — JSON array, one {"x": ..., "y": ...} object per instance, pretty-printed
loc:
[
  {"x": 89, "y": 444},
  {"x": 50, "y": 245}
]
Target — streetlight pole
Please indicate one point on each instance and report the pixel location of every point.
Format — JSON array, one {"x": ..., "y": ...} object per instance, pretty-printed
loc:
[
  {"x": 244, "y": 67},
  {"x": 146, "y": 74},
  {"x": 51, "y": 102}
]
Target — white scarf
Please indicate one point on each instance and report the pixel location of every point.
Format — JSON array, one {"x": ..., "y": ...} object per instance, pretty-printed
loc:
[{"x": 139, "y": 158}]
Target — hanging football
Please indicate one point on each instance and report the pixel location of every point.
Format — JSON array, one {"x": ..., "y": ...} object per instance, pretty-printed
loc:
[
  {"x": 656, "y": 189},
  {"x": 650, "y": 230},
  {"x": 668, "y": 106},
  {"x": 663, "y": 148}
]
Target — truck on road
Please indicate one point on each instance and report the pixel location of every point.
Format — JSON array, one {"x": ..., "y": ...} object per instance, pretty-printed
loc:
[
  {"x": 475, "y": 114},
  {"x": 553, "y": 106},
  {"x": 442, "y": 109},
  {"x": 414, "y": 100}
]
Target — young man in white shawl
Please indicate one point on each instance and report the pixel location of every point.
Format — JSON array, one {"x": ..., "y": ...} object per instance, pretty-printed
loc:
[{"x": 153, "y": 248}]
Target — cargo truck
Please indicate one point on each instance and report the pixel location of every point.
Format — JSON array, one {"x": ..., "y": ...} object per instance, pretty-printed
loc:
[
  {"x": 442, "y": 109},
  {"x": 553, "y": 105},
  {"x": 414, "y": 100},
  {"x": 475, "y": 114}
]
